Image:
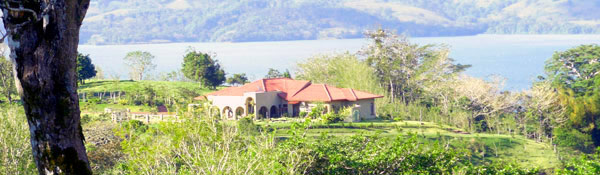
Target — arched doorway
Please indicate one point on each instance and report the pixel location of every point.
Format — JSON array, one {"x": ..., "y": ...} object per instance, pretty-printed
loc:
[
  {"x": 239, "y": 112},
  {"x": 262, "y": 112},
  {"x": 250, "y": 105},
  {"x": 274, "y": 112},
  {"x": 227, "y": 112}
]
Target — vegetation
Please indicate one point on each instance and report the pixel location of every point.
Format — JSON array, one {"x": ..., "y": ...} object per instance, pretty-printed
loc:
[
  {"x": 139, "y": 63},
  {"x": 85, "y": 68},
  {"x": 575, "y": 74},
  {"x": 7, "y": 81},
  {"x": 138, "y": 96},
  {"x": 274, "y": 73},
  {"x": 560, "y": 109},
  {"x": 237, "y": 79},
  {"x": 203, "y": 146},
  {"x": 244, "y": 20},
  {"x": 203, "y": 68}
]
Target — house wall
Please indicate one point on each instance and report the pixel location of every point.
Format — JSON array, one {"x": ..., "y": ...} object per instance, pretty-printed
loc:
[
  {"x": 232, "y": 102},
  {"x": 364, "y": 107},
  {"x": 268, "y": 100}
]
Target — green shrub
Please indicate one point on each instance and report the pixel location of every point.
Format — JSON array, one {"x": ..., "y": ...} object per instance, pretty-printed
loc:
[
  {"x": 123, "y": 102},
  {"x": 331, "y": 118},
  {"x": 94, "y": 101},
  {"x": 303, "y": 114},
  {"x": 566, "y": 137},
  {"x": 362, "y": 154},
  {"x": 246, "y": 126},
  {"x": 586, "y": 164},
  {"x": 136, "y": 126},
  {"x": 85, "y": 119}
]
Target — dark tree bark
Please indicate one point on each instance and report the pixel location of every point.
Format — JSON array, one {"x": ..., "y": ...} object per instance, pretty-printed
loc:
[{"x": 43, "y": 36}]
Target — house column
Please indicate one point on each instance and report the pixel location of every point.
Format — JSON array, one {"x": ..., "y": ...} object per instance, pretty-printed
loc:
[{"x": 290, "y": 110}]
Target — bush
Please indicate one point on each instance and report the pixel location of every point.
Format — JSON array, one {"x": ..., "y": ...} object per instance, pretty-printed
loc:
[
  {"x": 303, "y": 114},
  {"x": 94, "y": 101},
  {"x": 246, "y": 126},
  {"x": 123, "y": 102},
  {"x": 136, "y": 126},
  {"x": 586, "y": 164},
  {"x": 383, "y": 155},
  {"x": 85, "y": 119},
  {"x": 572, "y": 138},
  {"x": 332, "y": 118}
]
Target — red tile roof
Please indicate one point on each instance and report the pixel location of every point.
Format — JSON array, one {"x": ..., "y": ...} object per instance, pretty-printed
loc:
[{"x": 297, "y": 90}]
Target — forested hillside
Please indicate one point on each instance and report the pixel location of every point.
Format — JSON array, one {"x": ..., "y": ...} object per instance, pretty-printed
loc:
[{"x": 151, "y": 21}]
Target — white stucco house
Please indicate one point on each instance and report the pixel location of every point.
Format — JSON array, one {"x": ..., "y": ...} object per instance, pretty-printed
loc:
[{"x": 277, "y": 97}]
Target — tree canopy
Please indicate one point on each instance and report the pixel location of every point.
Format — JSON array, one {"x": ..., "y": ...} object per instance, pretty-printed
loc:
[
  {"x": 201, "y": 67},
  {"x": 139, "y": 63},
  {"x": 237, "y": 79},
  {"x": 85, "y": 68},
  {"x": 575, "y": 74}
]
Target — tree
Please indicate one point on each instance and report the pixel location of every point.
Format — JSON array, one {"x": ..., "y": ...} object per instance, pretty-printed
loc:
[
  {"x": 172, "y": 76},
  {"x": 43, "y": 37},
  {"x": 202, "y": 68},
  {"x": 7, "y": 81},
  {"x": 544, "y": 107},
  {"x": 273, "y": 73},
  {"x": 85, "y": 68},
  {"x": 482, "y": 98},
  {"x": 341, "y": 70},
  {"x": 575, "y": 73},
  {"x": 575, "y": 68},
  {"x": 396, "y": 62},
  {"x": 237, "y": 79},
  {"x": 140, "y": 63},
  {"x": 99, "y": 73},
  {"x": 287, "y": 74}
]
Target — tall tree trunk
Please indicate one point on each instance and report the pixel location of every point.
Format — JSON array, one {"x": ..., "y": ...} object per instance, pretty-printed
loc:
[
  {"x": 393, "y": 97},
  {"x": 43, "y": 38}
]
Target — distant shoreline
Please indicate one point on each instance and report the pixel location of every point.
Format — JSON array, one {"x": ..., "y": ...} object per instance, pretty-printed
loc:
[{"x": 562, "y": 36}]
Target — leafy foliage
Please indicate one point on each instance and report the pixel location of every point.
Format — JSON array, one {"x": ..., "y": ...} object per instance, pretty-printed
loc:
[
  {"x": 202, "y": 68},
  {"x": 584, "y": 165},
  {"x": 7, "y": 81},
  {"x": 140, "y": 63},
  {"x": 85, "y": 68},
  {"x": 274, "y": 73},
  {"x": 575, "y": 73},
  {"x": 15, "y": 148},
  {"x": 237, "y": 79}
]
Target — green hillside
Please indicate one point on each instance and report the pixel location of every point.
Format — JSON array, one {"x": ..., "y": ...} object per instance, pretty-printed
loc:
[
  {"x": 484, "y": 148},
  {"x": 128, "y": 21}
]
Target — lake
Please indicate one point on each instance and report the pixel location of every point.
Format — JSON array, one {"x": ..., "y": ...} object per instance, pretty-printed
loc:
[{"x": 519, "y": 58}]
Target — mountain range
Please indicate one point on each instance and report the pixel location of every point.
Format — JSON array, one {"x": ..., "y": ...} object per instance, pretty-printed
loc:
[{"x": 161, "y": 21}]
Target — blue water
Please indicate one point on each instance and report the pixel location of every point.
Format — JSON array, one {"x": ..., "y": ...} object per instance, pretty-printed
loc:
[{"x": 518, "y": 58}]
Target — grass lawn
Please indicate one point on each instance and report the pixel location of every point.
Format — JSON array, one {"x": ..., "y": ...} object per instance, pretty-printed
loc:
[
  {"x": 128, "y": 86},
  {"x": 99, "y": 108},
  {"x": 483, "y": 147}
]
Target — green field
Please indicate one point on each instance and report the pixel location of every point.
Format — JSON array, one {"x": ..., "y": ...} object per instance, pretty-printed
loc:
[
  {"x": 484, "y": 148},
  {"x": 162, "y": 90},
  {"x": 162, "y": 87}
]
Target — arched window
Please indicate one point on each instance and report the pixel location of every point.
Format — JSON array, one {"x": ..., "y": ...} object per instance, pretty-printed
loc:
[
  {"x": 239, "y": 112},
  {"x": 250, "y": 105}
]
